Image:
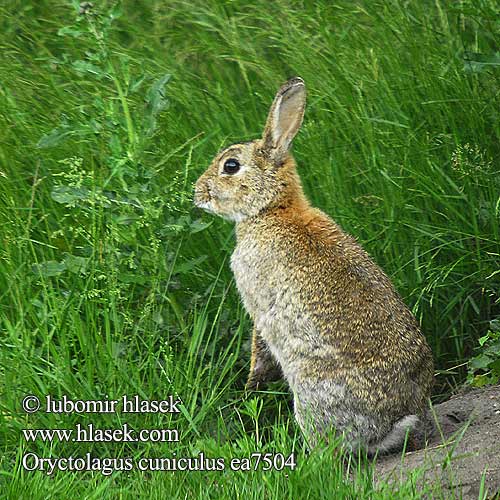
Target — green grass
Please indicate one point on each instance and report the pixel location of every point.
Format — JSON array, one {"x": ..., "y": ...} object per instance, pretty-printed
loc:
[{"x": 111, "y": 283}]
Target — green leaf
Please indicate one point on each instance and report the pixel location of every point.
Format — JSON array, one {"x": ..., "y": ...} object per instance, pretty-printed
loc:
[
  {"x": 493, "y": 350},
  {"x": 49, "y": 268},
  {"x": 75, "y": 264},
  {"x": 115, "y": 145},
  {"x": 86, "y": 67},
  {"x": 126, "y": 219},
  {"x": 480, "y": 362},
  {"x": 136, "y": 83},
  {"x": 483, "y": 340},
  {"x": 480, "y": 380},
  {"x": 54, "y": 137},
  {"x": 132, "y": 278},
  {"x": 187, "y": 266},
  {"x": 495, "y": 367},
  {"x": 476, "y": 62},
  {"x": 197, "y": 225},
  {"x": 156, "y": 101},
  {"x": 116, "y": 11},
  {"x": 495, "y": 325},
  {"x": 69, "y": 194},
  {"x": 70, "y": 31}
]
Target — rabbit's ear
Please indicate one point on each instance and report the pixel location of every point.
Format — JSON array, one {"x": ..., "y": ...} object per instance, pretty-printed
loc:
[{"x": 285, "y": 118}]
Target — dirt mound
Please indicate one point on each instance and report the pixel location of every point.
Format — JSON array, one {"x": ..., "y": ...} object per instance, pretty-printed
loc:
[{"x": 462, "y": 451}]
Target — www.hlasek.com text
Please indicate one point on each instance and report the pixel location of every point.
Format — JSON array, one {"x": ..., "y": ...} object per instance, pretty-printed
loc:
[{"x": 91, "y": 433}]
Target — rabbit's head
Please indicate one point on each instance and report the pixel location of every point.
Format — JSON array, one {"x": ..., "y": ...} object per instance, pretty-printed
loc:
[{"x": 248, "y": 177}]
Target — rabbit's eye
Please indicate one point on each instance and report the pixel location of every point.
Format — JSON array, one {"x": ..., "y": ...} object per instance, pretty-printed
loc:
[{"x": 231, "y": 166}]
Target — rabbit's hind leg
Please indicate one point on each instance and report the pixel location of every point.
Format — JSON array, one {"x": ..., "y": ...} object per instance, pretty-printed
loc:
[
  {"x": 263, "y": 366},
  {"x": 326, "y": 411}
]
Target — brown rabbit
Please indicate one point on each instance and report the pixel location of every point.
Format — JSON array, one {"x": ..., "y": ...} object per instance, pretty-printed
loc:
[{"x": 323, "y": 311}]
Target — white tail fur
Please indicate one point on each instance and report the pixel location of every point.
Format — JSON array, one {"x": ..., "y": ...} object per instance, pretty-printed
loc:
[{"x": 395, "y": 438}]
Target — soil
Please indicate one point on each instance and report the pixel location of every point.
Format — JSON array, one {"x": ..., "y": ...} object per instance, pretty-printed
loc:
[{"x": 462, "y": 452}]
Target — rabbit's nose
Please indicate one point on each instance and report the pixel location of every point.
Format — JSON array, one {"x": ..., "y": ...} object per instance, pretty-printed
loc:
[{"x": 201, "y": 194}]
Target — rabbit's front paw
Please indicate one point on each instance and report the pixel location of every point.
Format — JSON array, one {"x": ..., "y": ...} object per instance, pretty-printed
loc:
[
  {"x": 252, "y": 384},
  {"x": 260, "y": 377}
]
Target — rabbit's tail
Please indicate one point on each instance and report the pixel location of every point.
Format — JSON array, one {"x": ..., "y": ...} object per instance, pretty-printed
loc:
[{"x": 395, "y": 438}]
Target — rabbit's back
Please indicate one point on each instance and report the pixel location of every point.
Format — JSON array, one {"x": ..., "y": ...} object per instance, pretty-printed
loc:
[{"x": 329, "y": 313}]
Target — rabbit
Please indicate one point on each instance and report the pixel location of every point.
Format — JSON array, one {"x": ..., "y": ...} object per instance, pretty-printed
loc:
[{"x": 325, "y": 315}]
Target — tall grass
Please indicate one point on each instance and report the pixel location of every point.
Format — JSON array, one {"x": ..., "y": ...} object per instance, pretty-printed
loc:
[{"x": 111, "y": 283}]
